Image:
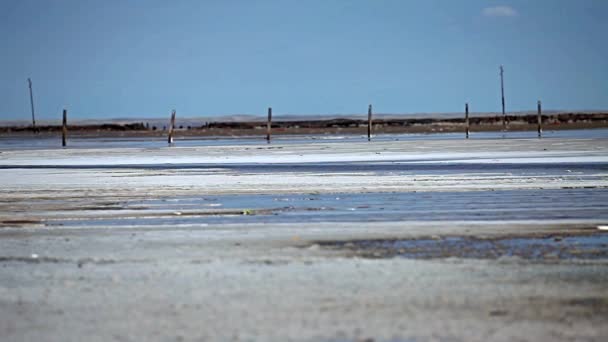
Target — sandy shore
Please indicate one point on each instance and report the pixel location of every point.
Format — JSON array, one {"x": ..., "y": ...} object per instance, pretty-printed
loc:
[{"x": 154, "y": 243}]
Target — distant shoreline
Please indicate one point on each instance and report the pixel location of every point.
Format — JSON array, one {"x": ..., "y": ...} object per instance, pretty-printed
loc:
[{"x": 326, "y": 126}]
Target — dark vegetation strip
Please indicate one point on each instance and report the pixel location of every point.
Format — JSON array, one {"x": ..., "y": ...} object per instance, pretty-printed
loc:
[{"x": 530, "y": 119}]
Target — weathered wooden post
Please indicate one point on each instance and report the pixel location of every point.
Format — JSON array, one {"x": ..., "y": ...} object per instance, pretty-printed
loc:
[
  {"x": 171, "y": 126},
  {"x": 29, "y": 81},
  {"x": 369, "y": 123},
  {"x": 502, "y": 93},
  {"x": 64, "y": 130},
  {"x": 466, "y": 119},
  {"x": 539, "y": 119},
  {"x": 269, "y": 124}
]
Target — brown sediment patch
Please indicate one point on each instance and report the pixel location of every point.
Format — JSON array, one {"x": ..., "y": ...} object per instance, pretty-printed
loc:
[{"x": 20, "y": 223}]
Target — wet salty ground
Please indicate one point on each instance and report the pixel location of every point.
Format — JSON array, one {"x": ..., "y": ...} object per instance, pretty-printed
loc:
[
  {"x": 22, "y": 142},
  {"x": 268, "y": 282},
  {"x": 425, "y": 242},
  {"x": 508, "y": 205},
  {"x": 547, "y": 248}
]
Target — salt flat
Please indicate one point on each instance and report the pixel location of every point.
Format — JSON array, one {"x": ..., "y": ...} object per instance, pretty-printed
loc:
[{"x": 226, "y": 242}]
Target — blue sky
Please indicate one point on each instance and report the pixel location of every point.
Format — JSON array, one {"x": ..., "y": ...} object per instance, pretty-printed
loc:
[{"x": 122, "y": 58}]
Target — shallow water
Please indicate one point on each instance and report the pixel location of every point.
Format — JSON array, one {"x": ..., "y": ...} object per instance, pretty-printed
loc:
[
  {"x": 384, "y": 168},
  {"x": 22, "y": 142},
  {"x": 510, "y": 205}
]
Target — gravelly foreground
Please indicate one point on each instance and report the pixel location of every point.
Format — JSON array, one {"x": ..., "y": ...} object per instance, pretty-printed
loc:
[{"x": 143, "y": 244}]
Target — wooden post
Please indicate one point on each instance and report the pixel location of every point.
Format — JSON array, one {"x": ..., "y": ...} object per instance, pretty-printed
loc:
[
  {"x": 502, "y": 93},
  {"x": 539, "y": 119},
  {"x": 171, "y": 126},
  {"x": 64, "y": 131},
  {"x": 466, "y": 119},
  {"x": 29, "y": 81},
  {"x": 369, "y": 123},
  {"x": 269, "y": 124}
]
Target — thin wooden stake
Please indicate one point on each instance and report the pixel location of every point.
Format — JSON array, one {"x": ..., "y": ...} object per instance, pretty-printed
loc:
[
  {"x": 539, "y": 119},
  {"x": 171, "y": 126},
  {"x": 29, "y": 81},
  {"x": 502, "y": 93},
  {"x": 369, "y": 123},
  {"x": 466, "y": 119},
  {"x": 64, "y": 131},
  {"x": 269, "y": 124}
]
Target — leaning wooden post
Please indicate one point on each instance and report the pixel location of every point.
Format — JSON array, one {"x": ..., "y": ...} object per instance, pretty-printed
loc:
[
  {"x": 369, "y": 123},
  {"x": 466, "y": 119},
  {"x": 502, "y": 92},
  {"x": 269, "y": 124},
  {"x": 29, "y": 81},
  {"x": 64, "y": 130},
  {"x": 171, "y": 126},
  {"x": 539, "y": 119}
]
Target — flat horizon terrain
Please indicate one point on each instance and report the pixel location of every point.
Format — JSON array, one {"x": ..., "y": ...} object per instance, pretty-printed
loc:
[
  {"x": 261, "y": 116},
  {"x": 426, "y": 238}
]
